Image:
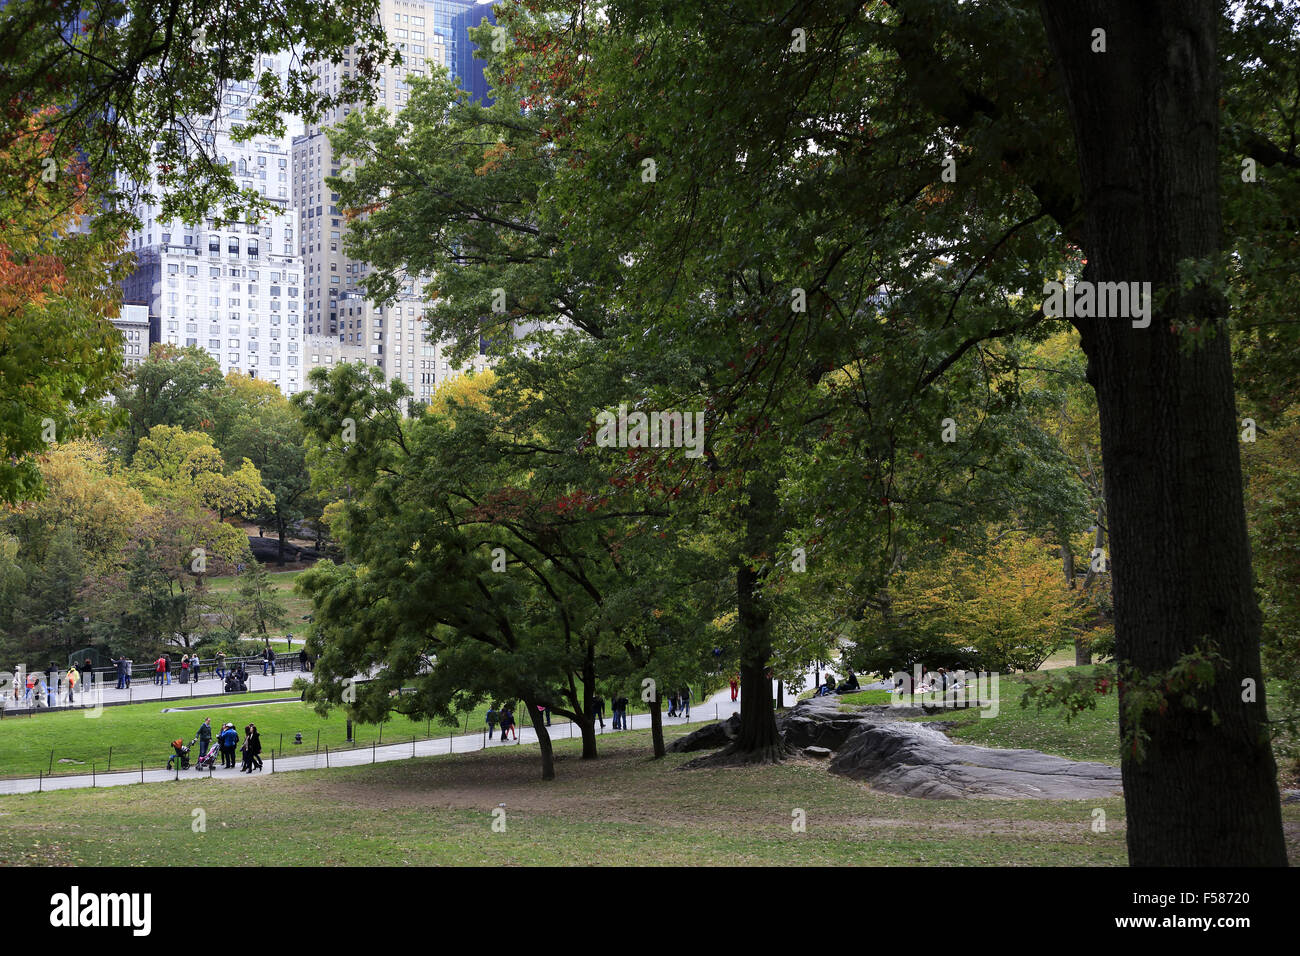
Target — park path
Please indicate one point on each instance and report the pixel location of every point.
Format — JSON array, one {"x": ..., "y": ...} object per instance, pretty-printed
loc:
[
  {"x": 717, "y": 707},
  {"x": 143, "y": 690}
]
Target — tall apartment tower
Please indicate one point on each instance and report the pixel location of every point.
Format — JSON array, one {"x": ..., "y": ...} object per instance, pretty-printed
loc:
[
  {"x": 231, "y": 288},
  {"x": 342, "y": 325}
]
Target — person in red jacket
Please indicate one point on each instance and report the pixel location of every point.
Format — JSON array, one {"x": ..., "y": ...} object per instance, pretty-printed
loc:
[{"x": 735, "y": 686}]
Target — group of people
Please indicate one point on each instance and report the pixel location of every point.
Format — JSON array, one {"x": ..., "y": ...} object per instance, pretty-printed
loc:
[
  {"x": 829, "y": 686},
  {"x": 48, "y": 690},
  {"x": 503, "y": 715},
  {"x": 228, "y": 740},
  {"x": 679, "y": 704}
]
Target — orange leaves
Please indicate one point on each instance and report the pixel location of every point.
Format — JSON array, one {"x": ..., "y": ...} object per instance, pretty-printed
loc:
[
  {"x": 31, "y": 282},
  {"x": 492, "y": 158}
]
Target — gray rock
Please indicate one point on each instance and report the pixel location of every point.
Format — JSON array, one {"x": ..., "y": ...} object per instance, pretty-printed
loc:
[
  {"x": 917, "y": 761},
  {"x": 821, "y": 753},
  {"x": 1291, "y": 796},
  {"x": 817, "y": 722},
  {"x": 708, "y": 737}
]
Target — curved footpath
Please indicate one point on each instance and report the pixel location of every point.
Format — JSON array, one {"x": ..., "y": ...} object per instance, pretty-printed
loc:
[{"x": 717, "y": 707}]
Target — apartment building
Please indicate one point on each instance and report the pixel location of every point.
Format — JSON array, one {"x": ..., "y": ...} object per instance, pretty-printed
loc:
[
  {"x": 342, "y": 323},
  {"x": 234, "y": 289},
  {"x": 138, "y": 333}
]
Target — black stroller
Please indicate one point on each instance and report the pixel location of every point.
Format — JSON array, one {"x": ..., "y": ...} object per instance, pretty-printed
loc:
[{"x": 180, "y": 755}]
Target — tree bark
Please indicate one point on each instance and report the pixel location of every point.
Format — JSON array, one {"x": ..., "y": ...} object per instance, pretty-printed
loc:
[
  {"x": 588, "y": 722},
  {"x": 657, "y": 726},
  {"x": 1145, "y": 115},
  {"x": 543, "y": 739},
  {"x": 759, "y": 738}
]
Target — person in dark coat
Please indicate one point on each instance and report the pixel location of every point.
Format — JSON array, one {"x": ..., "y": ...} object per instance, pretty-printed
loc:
[
  {"x": 229, "y": 739},
  {"x": 205, "y": 736},
  {"x": 255, "y": 747}
]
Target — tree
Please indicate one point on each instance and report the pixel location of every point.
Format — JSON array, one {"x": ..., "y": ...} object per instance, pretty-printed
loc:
[
  {"x": 258, "y": 424},
  {"x": 174, "y": 386},
  {"x": 836, "y": 154},
  {"x": 59, "y": 353},
  {"x": 171, "y": 463}
]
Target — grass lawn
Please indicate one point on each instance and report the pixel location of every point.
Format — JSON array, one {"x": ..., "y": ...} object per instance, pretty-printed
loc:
[
  {"x": 138, "y": 732},
  {"x": 296, "y": 606},
  {"x": 621, "y": 809},
  {"x": 1090, "y": 735}
]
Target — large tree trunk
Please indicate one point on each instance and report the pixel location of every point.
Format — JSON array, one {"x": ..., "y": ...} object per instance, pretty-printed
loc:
[
  {"x": 759, "y": 739},
  {"x": 1145, "y": 115},
  {"x": 586, "y": 711},
  {"x": 543, "y": 739}
]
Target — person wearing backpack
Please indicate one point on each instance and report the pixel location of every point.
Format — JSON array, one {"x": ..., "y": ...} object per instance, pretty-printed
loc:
[{"x": 492, "y": 721}]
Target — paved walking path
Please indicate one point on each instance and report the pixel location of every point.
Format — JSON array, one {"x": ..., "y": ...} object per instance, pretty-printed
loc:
[
  {"x": 717, "y": 707},
  {"x": 143, "y": 690}
]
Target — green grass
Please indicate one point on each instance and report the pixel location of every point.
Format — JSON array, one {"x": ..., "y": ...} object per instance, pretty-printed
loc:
[
  {"x": 621, "y": 809},
  {"x": 296, "y": 606},
  {"x": 1090, "y": 735},
  {"x": 137, "y": 732}
]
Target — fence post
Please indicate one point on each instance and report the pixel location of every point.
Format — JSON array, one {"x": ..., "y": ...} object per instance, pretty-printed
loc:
[
  {"x": 327, "y": 756},
  {"x": 451, "y": 741},
  {"x": 272, "y": 761},
  {"x": 412, "y": 745},
  {"x": 110, "y": 759},
  {"x": 381, "y": 732},
  {"x": 92, "y": 775},
  {"x": 51, "y": 769},
  {"x": 40, "y": 782},
  {"x": 318, "y": 741},
  {"x": 142, "y": 771},
  {"x": 372, "y": 751}
]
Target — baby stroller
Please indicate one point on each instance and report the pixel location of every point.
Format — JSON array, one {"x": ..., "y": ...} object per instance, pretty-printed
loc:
[
  {"x": 208, "y": 760},
  {"x": 181, "y": 754}
]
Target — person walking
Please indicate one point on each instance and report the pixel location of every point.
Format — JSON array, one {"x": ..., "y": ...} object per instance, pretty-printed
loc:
[
  {"x": 219, "y": 667},
  {"x": 686, "y": 702},
  {"x": 255, "y": 748},
  {"x": 205, "y": 736},
  {"x": 735, "y": 687},
  {"x": 120, "y": 664},
  {"x": 598, "y": 708},
  {"x": 302, "y": 659},
  {"x": 129, "y": 672},
  {"x": 492, "y": 720},
  {"x": 31, "y": 685},
  {"x": 508, "y": 722},
  {"x": 245, "y": 756},
  {"x": 158, "y": 670},
  {"x": 73, "y": 676},
  {"x": 194, "y": 666}
]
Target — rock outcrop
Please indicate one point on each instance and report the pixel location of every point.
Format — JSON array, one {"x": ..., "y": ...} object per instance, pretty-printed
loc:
[
  {"x": 708, "y": 737},
  {"x": 915, "y": 760}
]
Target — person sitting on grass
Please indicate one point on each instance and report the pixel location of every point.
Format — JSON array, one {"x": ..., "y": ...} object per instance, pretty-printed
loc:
[{"x": 849, "y": 683}]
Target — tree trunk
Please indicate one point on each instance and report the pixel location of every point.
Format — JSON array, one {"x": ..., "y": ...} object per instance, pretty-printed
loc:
[
  {"x": 657, "y": 726},
  {"x": 759, "y": 738},
  {"x": 780, "y": 693},
  {"x": 543, "y": 739},
  {"x": 586, "y": 711},
  {"x": 280, "y": 559},
  {"x": 1145, "y": 116}
]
